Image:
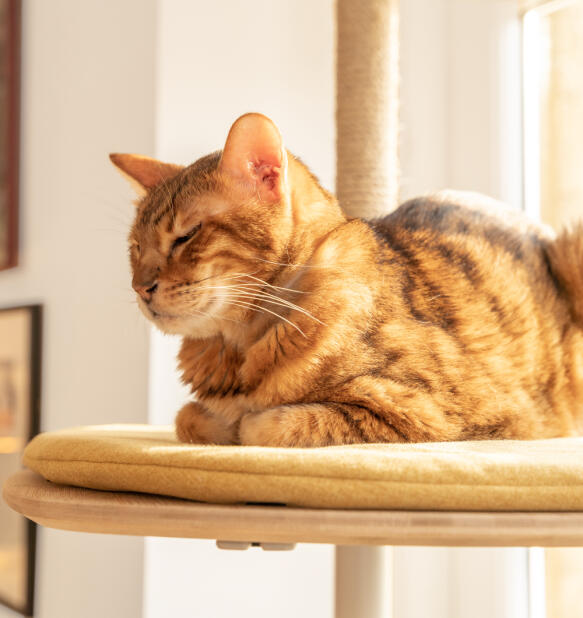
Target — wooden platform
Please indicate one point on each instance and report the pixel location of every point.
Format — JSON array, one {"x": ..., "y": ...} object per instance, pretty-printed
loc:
[{"x": 85, "y": 510}]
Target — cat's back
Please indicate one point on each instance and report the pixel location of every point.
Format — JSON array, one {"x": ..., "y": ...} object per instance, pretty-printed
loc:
[
  {"x": 479, "y": 302},
  {"x": 470, "y": 235},
  {"x": 465, "y": 214}
]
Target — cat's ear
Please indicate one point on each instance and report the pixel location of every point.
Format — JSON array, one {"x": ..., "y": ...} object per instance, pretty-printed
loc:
[
  {"x": 144, "y": 173},
  {"x": 254, "y": 157}
]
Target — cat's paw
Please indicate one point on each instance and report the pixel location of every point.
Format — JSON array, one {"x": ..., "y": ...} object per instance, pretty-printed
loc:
[
  {"x": 261, "y": 429},
  {"x": 187, "y": 424},
  {"x": 283, "y": 426},
  {"x": 195, "y": 425}
]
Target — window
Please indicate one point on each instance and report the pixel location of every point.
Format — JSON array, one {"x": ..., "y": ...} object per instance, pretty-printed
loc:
[
  {"x": 553, "y": 104},
  {"x": 553, "y": 189}
]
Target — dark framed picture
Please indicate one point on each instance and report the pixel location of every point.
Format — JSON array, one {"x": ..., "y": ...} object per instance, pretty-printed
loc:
[
  {"x": 20, "y": 364},
  {"x": 9, "y": 129}
]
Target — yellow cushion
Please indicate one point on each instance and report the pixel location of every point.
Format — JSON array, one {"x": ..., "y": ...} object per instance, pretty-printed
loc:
[{"x": 544, "y": 475}]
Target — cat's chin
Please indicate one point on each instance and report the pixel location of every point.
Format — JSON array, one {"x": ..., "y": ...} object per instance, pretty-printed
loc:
[
  {"x": 185, "y": 326},
  {"x": 177, "y": 325},
  {"x": 167, "y": 324},
  {"x": 163, "y": 321}
]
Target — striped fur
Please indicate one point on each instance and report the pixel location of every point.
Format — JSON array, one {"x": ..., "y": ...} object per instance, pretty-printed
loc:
[{"x": 449, "y": 319}]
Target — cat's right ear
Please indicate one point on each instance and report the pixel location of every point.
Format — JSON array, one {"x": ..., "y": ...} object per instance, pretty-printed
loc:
[
  {"x": 143, "y": 173},
  {"x": 254, "y": 157}
]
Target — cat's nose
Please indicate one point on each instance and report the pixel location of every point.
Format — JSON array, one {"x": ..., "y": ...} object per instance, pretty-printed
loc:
[{"x": 145, "y": 290}]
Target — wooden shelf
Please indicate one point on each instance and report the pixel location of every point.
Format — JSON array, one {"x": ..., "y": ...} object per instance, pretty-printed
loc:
[{"x": 86, "y": 510}]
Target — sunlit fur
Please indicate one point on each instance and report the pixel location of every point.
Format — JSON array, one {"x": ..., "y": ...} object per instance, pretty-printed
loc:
[{"x": 449, "y": 319}]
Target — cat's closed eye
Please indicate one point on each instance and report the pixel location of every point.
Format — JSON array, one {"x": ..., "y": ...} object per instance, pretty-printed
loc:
[{"x": 181, "y": 240}]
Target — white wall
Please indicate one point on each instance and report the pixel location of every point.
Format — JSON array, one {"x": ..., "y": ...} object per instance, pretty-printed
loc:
[
  {"x": 217, "y": 61},
  {"x": 103, "y": 75},
  {"x": 460, "y": 113},
  {"x": 87, "y": 89}
]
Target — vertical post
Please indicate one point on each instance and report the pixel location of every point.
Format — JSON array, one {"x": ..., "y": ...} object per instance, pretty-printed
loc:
[
  {"x": 367, "y": 106},
  {"x": 363, "y": 582},
  {"x": 367, "y": 186}
]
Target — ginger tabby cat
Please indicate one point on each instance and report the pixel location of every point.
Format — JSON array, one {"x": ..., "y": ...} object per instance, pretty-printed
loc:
[{"x": 448, "y": 319}]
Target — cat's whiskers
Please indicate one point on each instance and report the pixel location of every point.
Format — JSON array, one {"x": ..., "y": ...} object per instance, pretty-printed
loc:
[
  {"x": 188, "y": 284},
  {"x": 245, "y": 295},
  {"x": 224, "y": 277},
  {"x": 274, "y": 288},
  {"x": 250, "y": 293},
  {"x": 253, "y": 307},
  {"x": 194, "y": 312},
  {"x": 296, "y": 265},
  {"x": 277, "y": 299},
  {"x": 272, "y": 300},
  {"x": 250, "y": 289},
  {"x": 269, "y": 285}
]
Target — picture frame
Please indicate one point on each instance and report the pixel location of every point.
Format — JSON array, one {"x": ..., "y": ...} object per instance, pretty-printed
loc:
[
  {"x": 10, "y": 35},
  {"x": 20, "y": 383}
]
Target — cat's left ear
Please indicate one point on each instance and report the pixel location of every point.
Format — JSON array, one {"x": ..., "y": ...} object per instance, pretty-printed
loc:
[
  {"x": 144, "y": 173},
  {"x": 254, "y": 157}
]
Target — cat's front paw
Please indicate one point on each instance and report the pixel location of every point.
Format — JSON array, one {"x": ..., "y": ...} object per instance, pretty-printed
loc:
[
  {"x": 188, "y": 423},
  {"x": 293, "y": 425},
  {"x": 195, "y": 425},
  {"x": 261, "y": 429}
]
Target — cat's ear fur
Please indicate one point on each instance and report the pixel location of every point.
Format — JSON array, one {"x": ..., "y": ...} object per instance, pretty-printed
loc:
[
  {"x": 255, "y": 159},
  {"x": 143, "y": 173}
]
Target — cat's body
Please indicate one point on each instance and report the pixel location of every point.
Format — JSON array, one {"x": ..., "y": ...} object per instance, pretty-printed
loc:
[{"x": 449, "y": 319}]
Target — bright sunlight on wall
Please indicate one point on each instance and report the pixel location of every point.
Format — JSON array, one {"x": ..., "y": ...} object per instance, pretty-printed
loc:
[{"x": 553, "y": 132}]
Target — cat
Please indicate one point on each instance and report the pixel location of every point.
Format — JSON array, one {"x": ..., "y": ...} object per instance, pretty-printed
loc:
[{"x": 451, "y": 318}]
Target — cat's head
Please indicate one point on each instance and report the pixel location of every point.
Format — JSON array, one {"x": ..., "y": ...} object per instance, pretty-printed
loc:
[{"x": 206, "y": 236}]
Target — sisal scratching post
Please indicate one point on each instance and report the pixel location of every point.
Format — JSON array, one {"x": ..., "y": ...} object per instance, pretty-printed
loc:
[
  {"x": 366, "y": 186},
  {"x": 367, "y": 106}
]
